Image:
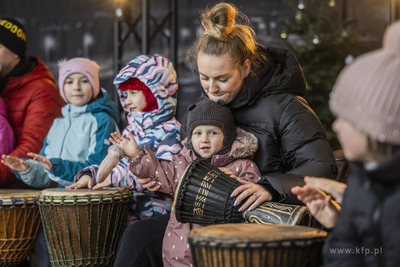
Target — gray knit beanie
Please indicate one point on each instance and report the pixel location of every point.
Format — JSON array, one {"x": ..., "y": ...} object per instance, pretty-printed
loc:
[
  {"x": 367, "y": 92},
  {"x": 208, "y": 112}
]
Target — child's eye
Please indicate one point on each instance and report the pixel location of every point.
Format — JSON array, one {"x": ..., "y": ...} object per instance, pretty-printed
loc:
[
  {"x": 85, "y": 81},
  {"x": 213, "y": 133},
  {"x": 68, "y": 82},
  {"x": 197, "y": 133}
]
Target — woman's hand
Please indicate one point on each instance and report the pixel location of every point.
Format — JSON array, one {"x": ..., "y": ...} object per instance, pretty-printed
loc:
[
  {"x": 15, "y": 164},
  {"x": 147, "y": 183},
  {"x": 321, "y": 206},
  {"x": 84, "y": 181},
  {"x": 46, "y": 163},
  {"x": 129, "y": 146},
  {"x": 256, "y": 192}
]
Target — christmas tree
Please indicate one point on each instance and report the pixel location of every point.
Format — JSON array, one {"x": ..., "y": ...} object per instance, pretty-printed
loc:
[{"x": 323, "y": 43}]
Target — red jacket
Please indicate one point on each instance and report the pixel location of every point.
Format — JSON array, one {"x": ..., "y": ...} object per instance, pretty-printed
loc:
[{"x": 33, "y": 102}]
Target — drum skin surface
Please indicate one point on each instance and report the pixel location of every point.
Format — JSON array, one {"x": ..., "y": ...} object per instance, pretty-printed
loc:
[
  {"x": 19, "y": 224},
  {"x": 83, "y": 227},
  {"x": 243, "y": 244}
]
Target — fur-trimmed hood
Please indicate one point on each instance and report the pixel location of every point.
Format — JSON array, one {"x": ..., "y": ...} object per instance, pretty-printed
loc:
[{"x": 244, "y": 146}]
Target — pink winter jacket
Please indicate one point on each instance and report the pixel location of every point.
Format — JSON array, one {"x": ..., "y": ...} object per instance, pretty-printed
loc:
[
  {"x": 176, "y": 251},
  {"x": 7, "y": 137}
]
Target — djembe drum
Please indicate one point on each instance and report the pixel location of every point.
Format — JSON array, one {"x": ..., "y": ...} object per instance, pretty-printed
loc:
[
  {"x": 19, "y": 224},
  {"x": 251, "y": 245},
  {"x": 83, "y": 227},
  {"x": 203, "y": 197}
]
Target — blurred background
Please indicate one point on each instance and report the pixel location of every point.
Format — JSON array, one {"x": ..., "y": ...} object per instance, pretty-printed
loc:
[{"x": 325, "y": 35}]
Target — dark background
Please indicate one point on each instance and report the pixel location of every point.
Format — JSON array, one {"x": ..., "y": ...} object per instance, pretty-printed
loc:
[{"x": 56, "y": 29}]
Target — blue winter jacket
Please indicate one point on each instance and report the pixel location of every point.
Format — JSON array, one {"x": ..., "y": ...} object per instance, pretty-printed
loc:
[{"x": 76, "y": 140}]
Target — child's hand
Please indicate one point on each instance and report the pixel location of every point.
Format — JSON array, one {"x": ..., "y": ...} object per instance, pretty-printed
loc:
[
  {"x": 228, "y": 172},
  {"x": 130, "y": 147},
  {"x": 107, "y": 182},
  {"x": 147, "y": 183},
  {"x": 15, "y": 164},
  {"x": 321, "y": 206},
  {"x": 84, "y": 181},
  {"x": 46, "y": 163}
]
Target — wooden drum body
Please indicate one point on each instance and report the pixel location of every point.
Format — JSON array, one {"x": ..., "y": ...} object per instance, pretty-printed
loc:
[
  {"x": 83, "y": 227},
  {"x": 19, "y": 224},
  {"x": 251, "y": 245},
  {"x": 203, "y": 197}
]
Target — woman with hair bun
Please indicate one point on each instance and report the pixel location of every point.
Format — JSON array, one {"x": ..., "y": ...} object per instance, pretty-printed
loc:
[{"x": 264, "y": 88}]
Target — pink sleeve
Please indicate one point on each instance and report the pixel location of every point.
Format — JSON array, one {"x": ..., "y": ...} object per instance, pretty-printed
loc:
[
  {"x": 246, "y": 169},
  {"x": 147, "y": 165}
]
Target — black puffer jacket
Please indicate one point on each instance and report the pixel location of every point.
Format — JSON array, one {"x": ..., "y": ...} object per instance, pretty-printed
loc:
[
  {"x": 292, "y": 141},
  {"x": 367, "y": 232}
]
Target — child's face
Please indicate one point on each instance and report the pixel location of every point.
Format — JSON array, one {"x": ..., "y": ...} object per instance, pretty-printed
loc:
[
  {"x": 207, "y": 140},
  {"x": 78, "y": 89},
  {"x": 354, "y": 142},
  {"x": 135, "y": 100}
]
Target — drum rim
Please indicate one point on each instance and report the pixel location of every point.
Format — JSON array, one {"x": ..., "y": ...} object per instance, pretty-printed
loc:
[{"x": 120, "y": 194}]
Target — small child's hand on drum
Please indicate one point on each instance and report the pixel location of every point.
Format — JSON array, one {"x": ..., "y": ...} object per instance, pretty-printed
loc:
[
  {"x": 228, "y": 172},
  {"x": 105, "y": 183},
  {"x": 84, "y": 181}
]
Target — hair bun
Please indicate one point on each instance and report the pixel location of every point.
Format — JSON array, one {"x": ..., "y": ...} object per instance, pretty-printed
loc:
[
  {"x": 391, "y": 39},
  {"x": 220, "y": 20}
]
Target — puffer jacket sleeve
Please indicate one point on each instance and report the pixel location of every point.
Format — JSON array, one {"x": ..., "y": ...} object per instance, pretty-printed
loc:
[
  {"x": 147, "y": 165},
  {"x": 36, "y": 175},
  {"x": 304, "y": 149},
  {"x": 246, "y": 169},
  {"x": 66, "y": 170},
  {"x": 45, "y": 105}
]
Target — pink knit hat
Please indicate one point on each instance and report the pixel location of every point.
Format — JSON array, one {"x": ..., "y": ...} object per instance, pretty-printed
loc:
[
  {"x": 367, "y": 92},
  {"x": 83, "y": 66}
]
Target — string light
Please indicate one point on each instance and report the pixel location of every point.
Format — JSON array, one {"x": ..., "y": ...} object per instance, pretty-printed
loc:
[
  {"x": 332, "y": 3},
  {"x": 316, "y": 39},
  {"x": 283, "y": 35},
  {"x": 298, "y": 15},
  {"x": 301, "y": 4}
]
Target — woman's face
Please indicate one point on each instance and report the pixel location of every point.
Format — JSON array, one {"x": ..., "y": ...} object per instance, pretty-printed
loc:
[
  {"x": 220, "y": 78},
  {"x": 354, "y": 142}
]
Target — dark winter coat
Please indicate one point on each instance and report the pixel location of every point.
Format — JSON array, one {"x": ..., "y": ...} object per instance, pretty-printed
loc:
[
  {"x": 292, "y": 141},
  {"x": 176, "y": 250},
  {"x": 367, "y": 232}
]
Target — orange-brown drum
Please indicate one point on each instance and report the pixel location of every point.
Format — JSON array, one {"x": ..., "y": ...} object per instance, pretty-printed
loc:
[{"x": 19, "y": 224}]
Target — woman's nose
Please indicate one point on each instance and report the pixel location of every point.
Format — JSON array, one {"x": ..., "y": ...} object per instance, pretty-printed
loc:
[{"x": 213, "y": 87}]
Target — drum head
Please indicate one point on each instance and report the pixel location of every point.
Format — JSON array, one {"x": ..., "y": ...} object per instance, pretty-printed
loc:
[
  {"x": 59, "y": 192},
  {"x": 239, "y": 233},
  {"x": 18, "y": 193}
]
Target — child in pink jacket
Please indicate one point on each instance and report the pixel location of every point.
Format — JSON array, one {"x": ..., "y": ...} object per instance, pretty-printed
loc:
[
  {"x": 7, "y": 138},
  {"x": 211, "y": 135}
]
